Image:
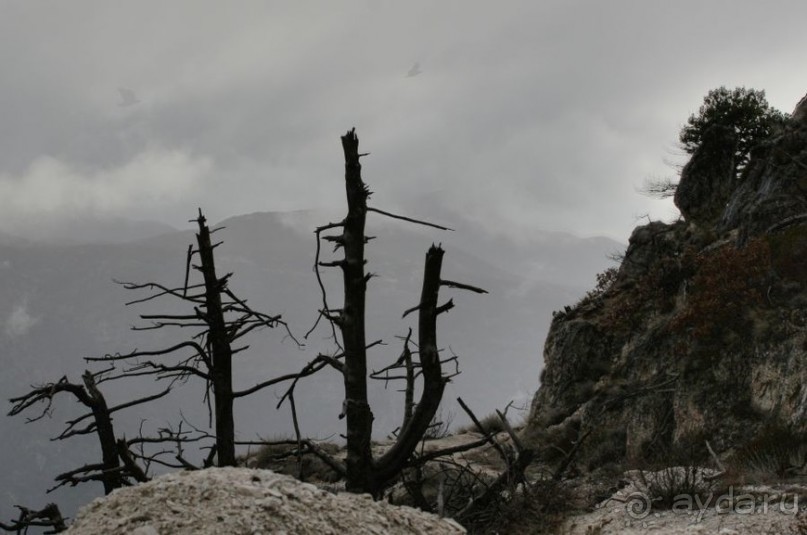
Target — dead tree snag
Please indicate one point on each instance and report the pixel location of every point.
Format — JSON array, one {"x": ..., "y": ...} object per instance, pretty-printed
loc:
[
  {"x": 221, "y": 319},
  {"x": 364, "y": 473},
  {"x": 111, "y": 472}
]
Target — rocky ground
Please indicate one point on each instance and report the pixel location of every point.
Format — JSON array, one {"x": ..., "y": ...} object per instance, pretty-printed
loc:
[
  {"x": 255, "y": 501},
  {"x": 246, "y": 501},
  {"x": 620, "y": 502},
  {"x": 775, "y": 509}
]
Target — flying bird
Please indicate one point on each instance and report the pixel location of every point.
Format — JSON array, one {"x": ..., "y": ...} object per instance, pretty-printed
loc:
[
  {"x": 127, "y": 97},
  {"x": 414, "y": 71}
]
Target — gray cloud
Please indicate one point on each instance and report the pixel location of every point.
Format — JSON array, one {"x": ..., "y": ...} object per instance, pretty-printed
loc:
[
  {"x": 529, "y": 115},
  {"x": 20, "y": 321},
  {"x": 154, "y": 177}
]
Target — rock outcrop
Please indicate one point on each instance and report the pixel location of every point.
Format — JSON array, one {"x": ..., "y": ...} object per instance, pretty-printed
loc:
[
  {"x": 238, "y": 500},
  {"x": 708, "y": 179},
  {"x": 702, "y": 331}
]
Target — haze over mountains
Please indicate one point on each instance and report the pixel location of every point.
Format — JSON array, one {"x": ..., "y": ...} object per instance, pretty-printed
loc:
[{"x": 58, "y": 303}]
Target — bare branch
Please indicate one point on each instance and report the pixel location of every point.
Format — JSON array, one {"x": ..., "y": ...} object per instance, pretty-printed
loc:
[
  {"x": 461, "y": 286},
  {"x": 445, "y": 307},
  {"x": 663, "y": 188},
  {"x": 483, "y": 431},
  {"x": 47, "y": 517},
  {"x": 92, "y": 472},
  {"x": 337, "y": 466},
  {"x": 139, "y": 401},
  {"x": 409, "y": 219},
  {"x": 323, "y": 292},
  {"x": 513, "y": 436},
  {"x": 176, "y": 292},
  {"x": 567, "y": 460},
  {"x": 129, "y": 463},
  {"x": 45, "y": 393},
  {"x": 422, "y": 459},
  {"x": 410, "y": 310},
  {"x": 156, "y": 353}
]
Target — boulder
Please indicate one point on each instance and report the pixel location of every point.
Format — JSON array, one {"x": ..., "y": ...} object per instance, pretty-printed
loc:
[{"x": 708, "y": 179}]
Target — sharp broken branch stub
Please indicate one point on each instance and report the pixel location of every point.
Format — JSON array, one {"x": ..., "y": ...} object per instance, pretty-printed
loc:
[{"x": 445, "y": 307}]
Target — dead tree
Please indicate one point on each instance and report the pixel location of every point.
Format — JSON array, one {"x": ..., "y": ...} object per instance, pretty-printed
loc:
[
  {"x": 221, "y": 318},
  {"x": 47, "y": 517},
  {"x": 363, "y": 472},
  {"x": 513, "y": 474},
  {"x": 113, "y": 470}
]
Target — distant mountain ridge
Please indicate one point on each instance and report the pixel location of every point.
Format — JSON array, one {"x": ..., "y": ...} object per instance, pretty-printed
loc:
[{"x": 80, "y": 230}]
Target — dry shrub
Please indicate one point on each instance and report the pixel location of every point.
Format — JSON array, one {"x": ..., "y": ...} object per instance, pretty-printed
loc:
[
  {"x": 444, "y": 487},
  {"x": 727, "y": 282},
  {"x": 776, "y": 453},
  {"x": 606, "y": 445},
  {"x": 720, "y": 285},
  {"x": 558, "y": 441},
  {"x": 439, "y": 427},
  {"x": 675, "y": 472},
  {"x": 605, "y": 281},
  {"x": 539, "y": 510},
  {"x": 654, "y": 291},
  {"x": 491, "y": 423},
  {"x": 671, "y": 484}
]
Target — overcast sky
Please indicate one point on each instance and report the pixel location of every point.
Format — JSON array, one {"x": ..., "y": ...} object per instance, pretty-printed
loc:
[{"x": 528, "y": 114}]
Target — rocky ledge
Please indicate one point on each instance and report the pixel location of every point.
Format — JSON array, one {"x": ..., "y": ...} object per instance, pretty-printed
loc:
[{"x": 701, "y": 333}]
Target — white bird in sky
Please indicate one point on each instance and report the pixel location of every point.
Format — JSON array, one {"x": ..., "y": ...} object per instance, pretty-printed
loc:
[
  {"x": 414, "y": 71},
  {"x": 127, "y": 97}
]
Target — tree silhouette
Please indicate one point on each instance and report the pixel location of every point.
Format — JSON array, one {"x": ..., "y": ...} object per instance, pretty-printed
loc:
[
  {"x": 221, "y": 319},
  {"x": 218, "y": 319},
  {"x": 364, "y": 472},
  {"x": 116, "y": 467},
  {"x": 745, "y": 111}
]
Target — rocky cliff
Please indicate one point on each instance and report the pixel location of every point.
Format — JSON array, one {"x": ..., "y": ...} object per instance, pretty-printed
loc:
[{"x": 701, "y": 333}]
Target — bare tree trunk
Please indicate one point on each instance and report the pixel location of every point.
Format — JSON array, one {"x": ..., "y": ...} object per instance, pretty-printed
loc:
[
  {"x": 359, "y": 462},
  {"x": 365, "y": 474},
  {"x": 220, "y": 350},
  {"x": 392, "y": 462},
  {"x": 111, "y": 477}
]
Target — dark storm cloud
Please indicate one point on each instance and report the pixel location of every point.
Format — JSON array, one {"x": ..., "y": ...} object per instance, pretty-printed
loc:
[{"x": 528, "y": 114}]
